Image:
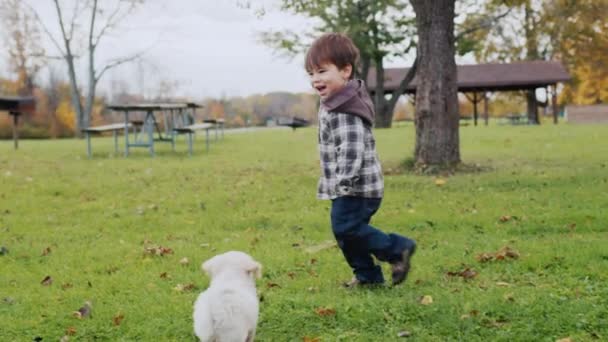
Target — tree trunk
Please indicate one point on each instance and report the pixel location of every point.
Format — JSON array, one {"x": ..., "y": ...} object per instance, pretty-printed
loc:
[
  {"x": 75, "y": 93},
  {"x": 436, "y": 120},
  {"x": 383, "y": 119},
  {"x": 532, "y": 107},
  {"x": 531, "y": 54}
]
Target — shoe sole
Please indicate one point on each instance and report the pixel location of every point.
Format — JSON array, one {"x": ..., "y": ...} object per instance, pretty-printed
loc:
[{"x": 406, "y": 263}]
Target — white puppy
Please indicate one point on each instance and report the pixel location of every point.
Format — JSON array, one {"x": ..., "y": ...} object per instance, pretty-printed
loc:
[{"x": 228, "y": 310}]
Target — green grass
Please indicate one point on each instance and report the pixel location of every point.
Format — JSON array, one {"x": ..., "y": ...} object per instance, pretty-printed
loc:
[{"x": 256, "y": 192}]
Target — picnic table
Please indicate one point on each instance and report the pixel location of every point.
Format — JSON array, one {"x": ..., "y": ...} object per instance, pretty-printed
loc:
[
  {"x": 293, "y": 122},
  {"x": 174, "y": 115},
  {"x": 515, "y": 119},
  {"x": 16, "y": 106}
]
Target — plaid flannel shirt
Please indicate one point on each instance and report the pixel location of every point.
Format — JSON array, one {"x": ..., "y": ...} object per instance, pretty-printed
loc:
[{"x": 349, "y": 163}]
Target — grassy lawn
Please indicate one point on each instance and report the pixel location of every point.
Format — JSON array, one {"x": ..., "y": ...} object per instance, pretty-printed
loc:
[{"x": 90, "y": 225}]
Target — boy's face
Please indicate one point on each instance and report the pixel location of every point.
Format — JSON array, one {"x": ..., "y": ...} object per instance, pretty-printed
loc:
[{"x": 327, "y": 79}]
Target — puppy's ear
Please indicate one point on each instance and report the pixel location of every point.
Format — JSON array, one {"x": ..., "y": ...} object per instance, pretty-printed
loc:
[{"x": 255, "y": 269}]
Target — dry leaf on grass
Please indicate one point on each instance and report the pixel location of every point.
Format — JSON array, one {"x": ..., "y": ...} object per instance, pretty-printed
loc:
[
  {"x": 467, "y": 273},
  {"x": 184, "y": 287},
  {"x": 426, "y": 300},
  {"x": 70, "y": 331},
  {"x": 504, "y": 253},
  {"x": 324, "y": 312},
  {"x": 47, "y": 281},
  {"x": 404, "y": 333},
  {"x": 311, "y": 339},
  {"x": 84, "y": 311},
  {"x": 271, "y": 285},
  {"x": 158, "y": 250},
  {"x": 46, "y": 251},
  {"x": 184, "y": 261},
  {"x": 440, "y": 181},
  {"x": 320, "y": 247},
  {"x": 566, "y": 339},
  {"x": 116, "y": 320}
]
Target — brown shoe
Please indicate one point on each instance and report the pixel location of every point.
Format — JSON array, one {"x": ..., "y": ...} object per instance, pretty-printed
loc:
[{"x": 401, "y": 268}]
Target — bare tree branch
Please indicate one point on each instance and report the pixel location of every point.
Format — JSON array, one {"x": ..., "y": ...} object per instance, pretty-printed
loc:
[
  {"x": 46, "y": 30},
  {"x": 485, "y": 23},
  {"x": 118, "y": 62}
]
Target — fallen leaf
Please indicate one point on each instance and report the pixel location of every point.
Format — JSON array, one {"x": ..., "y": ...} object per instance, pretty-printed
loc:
[
  {"x": 46, "y": 251},
  {"x": 506, "y": 252},
  {"x": 440, "y": 181},
  {"x": 184, "y": 261},
  {"x": 566, "y": 339},
  {"x": 184, "y": 288},
  {"x": 271, "y": 285},
  {"x": 291, "y": 275},
  {"x": 118, "y": 319},
  {"x": 502, "y": 284},
  {"x": 324, "y": 312},
  {"x": 165, "y": 275},
  {"x": 426, "y": 300},
  {"x": 509, "y": 297},
  {"x": 47, "y": 281},
  {"x": 84, "y": 311},
  {"x": 158, "y": 250},
  {"x": 484, "y": 257},
  {"x": 320, "y": 247},
  {"x": 504, "y": 218},
  {"x": 404, "y": 333},
  {"x": 467, "y": 273},
  {"x": 70, "y": 331},
  {"x": 311, "y": 339},
  {"x": 64, "y": 338}
]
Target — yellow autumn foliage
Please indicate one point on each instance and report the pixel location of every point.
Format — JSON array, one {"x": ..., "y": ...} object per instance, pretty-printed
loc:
[{"x": 66, "y": 115}]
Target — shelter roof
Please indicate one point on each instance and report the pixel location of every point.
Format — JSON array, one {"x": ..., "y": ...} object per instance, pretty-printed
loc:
[
  {"x": 487, "y": 77},
  {"x": 154, "y": 106}
]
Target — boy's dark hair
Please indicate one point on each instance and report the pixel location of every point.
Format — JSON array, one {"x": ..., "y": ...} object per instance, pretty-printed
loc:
[{"x": 335, "y": 48}]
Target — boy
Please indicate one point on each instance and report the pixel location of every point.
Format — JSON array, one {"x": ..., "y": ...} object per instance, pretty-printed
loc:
[{"x": 351, "y": 173}]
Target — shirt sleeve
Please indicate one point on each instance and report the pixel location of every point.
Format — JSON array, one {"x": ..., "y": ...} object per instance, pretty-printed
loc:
[{"x": 348, "y": 134}]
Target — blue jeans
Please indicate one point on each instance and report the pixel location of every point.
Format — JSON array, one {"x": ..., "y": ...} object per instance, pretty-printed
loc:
[{"x": 358, "y": 240}]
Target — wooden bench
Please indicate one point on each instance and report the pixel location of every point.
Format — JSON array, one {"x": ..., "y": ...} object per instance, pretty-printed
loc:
[
  {"x": 105, "y": 128},
  {"x": 191, "y": 129},
  {"x": 219, "y": 124}
]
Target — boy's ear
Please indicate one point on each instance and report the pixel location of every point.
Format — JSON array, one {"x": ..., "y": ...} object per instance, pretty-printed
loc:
[{"x": 347, "y": 72}]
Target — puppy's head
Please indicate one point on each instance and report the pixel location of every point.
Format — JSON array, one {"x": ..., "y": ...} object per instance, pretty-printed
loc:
[{"x": 233, "y": 261}]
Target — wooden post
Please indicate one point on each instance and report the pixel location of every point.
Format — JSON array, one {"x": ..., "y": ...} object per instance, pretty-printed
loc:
[
  {"x": 475, "y": 100},
  {"x": 485, "y": 108},
  {"x": 15, "y": 116},
  {"x": 554, "y": 102}
]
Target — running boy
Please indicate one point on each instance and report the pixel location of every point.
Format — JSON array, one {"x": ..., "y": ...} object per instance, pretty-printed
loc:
[{"x": 351, "y": 172}]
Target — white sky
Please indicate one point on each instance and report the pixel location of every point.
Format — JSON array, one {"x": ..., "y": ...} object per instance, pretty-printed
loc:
[{"x": 208, "y": 48}]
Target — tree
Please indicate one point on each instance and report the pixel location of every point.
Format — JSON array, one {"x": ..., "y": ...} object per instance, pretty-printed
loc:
[
  {"x": 102, "y": 19},
  {"x": 22, "y": 41},
  {"x": 437, "y": 135},
  {"x": 378, "y": 28},
  {"x": 573, "y": 32}
]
